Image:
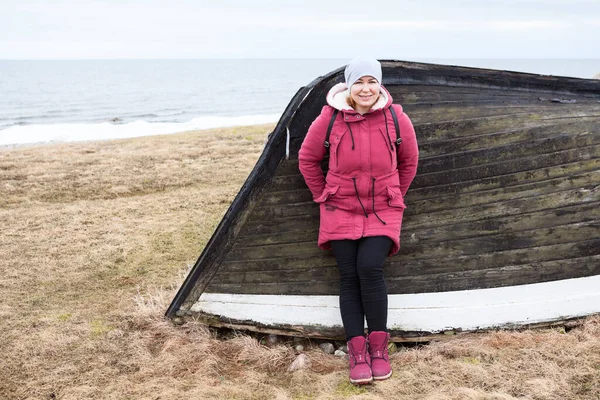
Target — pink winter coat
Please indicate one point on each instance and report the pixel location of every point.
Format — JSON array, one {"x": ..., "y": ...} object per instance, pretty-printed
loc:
[{"x": 363, "y": 193}]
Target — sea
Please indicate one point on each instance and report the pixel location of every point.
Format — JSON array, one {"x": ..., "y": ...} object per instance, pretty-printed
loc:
[{"x": 48, "y": 101}]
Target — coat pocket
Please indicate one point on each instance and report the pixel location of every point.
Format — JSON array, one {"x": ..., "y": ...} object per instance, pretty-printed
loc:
[
  {"x": 327, "y": 193},
  {"x": 395, "y": 197},
  {"x": 335, "y": 150}
]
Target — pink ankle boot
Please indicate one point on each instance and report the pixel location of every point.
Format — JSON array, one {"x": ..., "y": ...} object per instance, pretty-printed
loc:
[
  {"x": 380, "y": 362},
  {"x": 360, "y": 362}
]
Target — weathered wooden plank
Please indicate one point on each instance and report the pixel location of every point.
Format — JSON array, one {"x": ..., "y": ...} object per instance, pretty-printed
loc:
[
  {"x": 415, "y": 94},
  {"x": 466, "y": 127},
  {"x": 295, "y": 182},
  {"x": 430, "y": 249},
  {"x": 584, "y": 180},
  {"x": 493, "y": 139},
  {"x": 440, "y": 245},
  {"x": 289, "y": 272},
  {"x": 582, "y": 212},
  {"x": 453, "y": 201},
  {"x": 285, "y": 276},
  {"x": 288, "y": 236},
  {"x": 504, "y": 181},
  {"x": 546, "y": 218},
  {"x": 401, "y": 73},
  {"x": 447, "y": 116},
  {"x": 287, "y": 197},
  {"x": 550, "y": 201},
  {"x": 478, "y": 172},
  {"x": 512, "y": 152},
  {"x": 487, "y": 212},
  {"x": 499, "y": 173},
  {"x": 288, "y": 182},
  {"x": 294, "y": 249},
  {"x": 497, "y": 277},
  {"x": 323, "y": 260},
  {"x": 459, "y": 126},
  {"x": 396, "y": 266},
  {"x": 460, "y": 280},
  {"x": 489, "y": 141},
  {"x": 297, "y": 269},
  {"x": 585, "y": 211},
  {"x": 422, "y": 115}
]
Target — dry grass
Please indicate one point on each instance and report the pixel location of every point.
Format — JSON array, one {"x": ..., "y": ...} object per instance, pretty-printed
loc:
[{"x": 97, "y": 236}]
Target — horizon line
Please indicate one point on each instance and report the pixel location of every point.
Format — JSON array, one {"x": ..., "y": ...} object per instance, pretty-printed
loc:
[{"x": 294, "y": 58}]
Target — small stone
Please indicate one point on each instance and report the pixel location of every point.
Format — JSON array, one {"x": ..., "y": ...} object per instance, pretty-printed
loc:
[
  {"x": 177, "y": 321},
  {"x": 343, "y": 348},
  {"x": 301, "y": 362},
  {"x": 327, "y": 348},
  {"x": 272, "y": 340},
  {"x": 392, "y": 348},
  {"x": 339, "y": 353},
  {"x": 299, "y": 348}
]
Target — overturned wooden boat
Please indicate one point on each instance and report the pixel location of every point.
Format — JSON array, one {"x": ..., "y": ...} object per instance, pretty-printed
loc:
[{"x": 501, "y": 230}]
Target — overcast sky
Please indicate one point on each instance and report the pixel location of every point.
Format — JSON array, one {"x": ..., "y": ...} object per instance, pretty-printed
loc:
[{"x": 84, "y": 29}]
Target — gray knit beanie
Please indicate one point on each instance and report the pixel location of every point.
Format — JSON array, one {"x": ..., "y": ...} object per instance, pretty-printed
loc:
[{"x": 362, "y": 66}]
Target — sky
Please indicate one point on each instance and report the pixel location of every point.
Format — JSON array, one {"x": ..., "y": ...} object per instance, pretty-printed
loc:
[{"x": 408, "y": 30}]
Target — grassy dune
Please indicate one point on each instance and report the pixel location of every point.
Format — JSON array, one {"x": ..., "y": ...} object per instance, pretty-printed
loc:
[{"x": 96, "y": 237}]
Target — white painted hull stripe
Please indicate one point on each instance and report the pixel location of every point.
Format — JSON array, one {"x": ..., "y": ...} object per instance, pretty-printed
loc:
[{"x": 427, "y": 312}]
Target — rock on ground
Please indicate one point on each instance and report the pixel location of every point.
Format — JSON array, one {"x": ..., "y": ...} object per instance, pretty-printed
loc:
[
  {"x": 301, "y": 362},
  {"x": 327, "y": 348}
]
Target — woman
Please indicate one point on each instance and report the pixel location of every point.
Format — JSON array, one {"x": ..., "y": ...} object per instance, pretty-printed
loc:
[{"x": 361, "y": 202}]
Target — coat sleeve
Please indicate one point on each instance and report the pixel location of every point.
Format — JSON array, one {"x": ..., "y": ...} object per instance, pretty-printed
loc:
[
  {"x": 312, "y": 152},
  {"x": 408, "y": 153}
]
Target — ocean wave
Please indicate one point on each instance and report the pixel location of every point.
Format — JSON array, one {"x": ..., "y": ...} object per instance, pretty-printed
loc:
[
  {"x": 80, "y": 116},
  {"x": 44, "y": 133}
]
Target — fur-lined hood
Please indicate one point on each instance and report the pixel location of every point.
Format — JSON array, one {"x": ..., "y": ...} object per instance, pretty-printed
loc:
[{"x": 338, "y": 99}]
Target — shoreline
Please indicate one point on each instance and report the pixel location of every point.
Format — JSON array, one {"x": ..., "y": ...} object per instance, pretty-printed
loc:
[
  {"x": 53, "y": 143},
  {"x": 72, "y": 132}
]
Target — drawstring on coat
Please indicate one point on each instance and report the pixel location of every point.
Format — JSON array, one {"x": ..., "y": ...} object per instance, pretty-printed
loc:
[
  {"x": 374, "y": 212},
  {"x": 351, "y": 135},
  {"x": 358, "y": 197},
  {"x": 361, "y": 204}
]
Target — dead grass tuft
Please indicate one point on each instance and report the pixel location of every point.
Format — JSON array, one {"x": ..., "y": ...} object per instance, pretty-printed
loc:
[
  {"x": 246, "y": 351},
  {"x": 96, "y": 239}
]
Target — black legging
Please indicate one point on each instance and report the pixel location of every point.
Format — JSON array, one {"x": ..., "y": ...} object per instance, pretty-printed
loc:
[{"x": 362, "y": 288}]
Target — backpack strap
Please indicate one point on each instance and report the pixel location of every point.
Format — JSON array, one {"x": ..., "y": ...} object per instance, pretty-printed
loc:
[
  {"x": 333, "y": 117},
  {"x": 395, "y": 118}
]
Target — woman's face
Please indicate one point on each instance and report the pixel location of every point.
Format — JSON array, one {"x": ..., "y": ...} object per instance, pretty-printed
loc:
[{"x": 365, "y": 93}]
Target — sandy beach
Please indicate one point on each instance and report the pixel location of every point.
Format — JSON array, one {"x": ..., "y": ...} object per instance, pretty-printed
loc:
[{"x": 97, "y": 237}]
